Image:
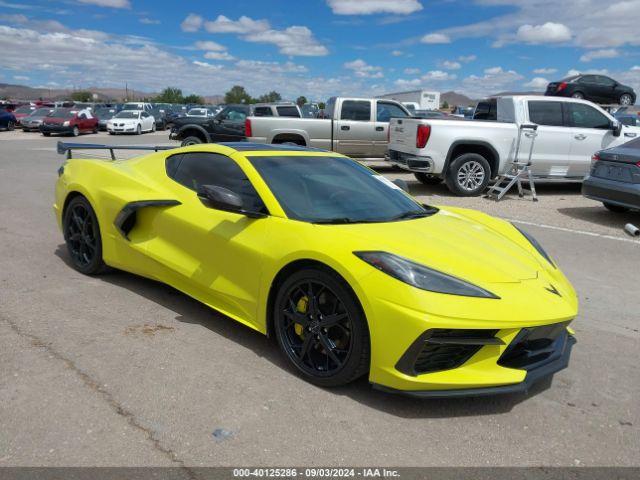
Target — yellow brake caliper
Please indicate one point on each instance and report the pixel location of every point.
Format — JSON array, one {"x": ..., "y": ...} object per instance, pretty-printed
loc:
[{"x": 301, "y": 307}]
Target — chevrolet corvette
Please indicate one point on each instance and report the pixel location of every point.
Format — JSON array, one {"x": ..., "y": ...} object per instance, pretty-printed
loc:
[{"x": 350, "y": 274}]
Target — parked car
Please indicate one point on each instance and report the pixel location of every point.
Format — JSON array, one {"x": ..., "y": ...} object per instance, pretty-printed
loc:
[
  {"x": 614, "y": 178},
  {"x": 103, "y": 115},
  {"x": 200, "y": 112},
  {"x": 68, "y": 121},
  {"x": 160, "y": 117},
  {"x": 628, "y": 115},
  {"x": 463, "y": 112},
  {"x": 597, "y": 88},
  {"x": 23, "y": 111},
  {"x": 131, "y": 121},
  {"x": 31, "y": 123},
  {"x": 276, "y": 110},
  {"x": 7, "y": 120},
  {"x": 226, "y": 126},
  {"x": 137, "y": 106},
  {"x": 467, "y": 154},
  {"x": 354, "y": 126}
]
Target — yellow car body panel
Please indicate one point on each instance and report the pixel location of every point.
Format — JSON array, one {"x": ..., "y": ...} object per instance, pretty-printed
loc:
[{"x": 229, "y": 262}]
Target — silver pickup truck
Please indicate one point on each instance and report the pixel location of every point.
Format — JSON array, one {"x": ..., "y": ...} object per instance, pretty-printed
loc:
[{"x": 357, "y": 127}]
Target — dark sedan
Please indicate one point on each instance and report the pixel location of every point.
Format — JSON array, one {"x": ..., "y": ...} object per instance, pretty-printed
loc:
[
  {"x": 7, "y": 120},
  {"x": 614, "y": 179},
  {"x": 32, "y": 122},
  {"x": 596, "y": 88}
]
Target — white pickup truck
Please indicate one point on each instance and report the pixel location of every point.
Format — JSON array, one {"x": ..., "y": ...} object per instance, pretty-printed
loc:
[
  {"x": 467, "y": 154},
  {"x": 357, "y": 127}
]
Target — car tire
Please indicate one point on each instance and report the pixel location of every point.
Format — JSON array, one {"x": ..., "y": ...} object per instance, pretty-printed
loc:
[
  {"x": 468, "y": 175},
  {"x": 626, "y": 99},
  {"x": 153, "y": 127},
  {"x": 11, "y": 126},
  {"x": 112, "y": 133},
  {"x": 82, "y": 236},
  {"x": 75, "y": 132},
  {"x": 95, "y": 130},
  {"x": 46, "y": 134},
  {"x": 615, "y": 208},
  {"x": 138, "y": 130},
  {"x": 578, "y": 95},
  {"x": 427, "y": 179},
  {"x": 190, "y": 141},
  {"x": 333, "y": 355}
]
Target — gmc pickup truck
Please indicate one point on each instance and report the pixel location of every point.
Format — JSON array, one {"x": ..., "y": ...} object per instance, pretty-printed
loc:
[
  {"x": 355, "y": 126},
  {"x": 467, "y": 154}
]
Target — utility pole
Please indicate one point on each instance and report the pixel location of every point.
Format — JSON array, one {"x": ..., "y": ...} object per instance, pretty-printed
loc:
[{"x": 126, "y": 90}]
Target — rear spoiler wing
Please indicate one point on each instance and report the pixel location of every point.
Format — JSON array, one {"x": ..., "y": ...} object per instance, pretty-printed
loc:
[{"x": 67, "y": 148}]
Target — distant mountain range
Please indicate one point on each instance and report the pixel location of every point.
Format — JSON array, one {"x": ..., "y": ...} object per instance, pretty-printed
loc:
[{"x": 22, "y": 92}]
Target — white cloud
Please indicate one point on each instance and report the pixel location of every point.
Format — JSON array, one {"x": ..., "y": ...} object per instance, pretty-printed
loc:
[
  {"x": 362, "y": 69},
  {"x": 402, "y": 83},
  {"x": 467, "y": 58},
  {"x": 219, "y": 56},
  {"x": 21, "y": 78},
  {"x": 603, "y": 53},
  {"x": 411, "y": 71},
  {"x": 397, "y": 53},
  {"x": 635, "y": 68},
  {"x": 494, "y": 80},
  {"x": 449, "y": 65},
  {"x": 537, "y": 83},
  {"x": 549, "y": 32},
  {"x": 209, "y": 46},
  {"x": 192, "y": 23},
  {"x": 243, "y": 25},
  {"x": 367, "y": 7},
  {"x": 435, "y": 38},
  {"x": 149, "y": 21},
  {"x": 438, "y": 76},
  {"x": 545, "y": 71},
  {"x": 108, "y": 3}
]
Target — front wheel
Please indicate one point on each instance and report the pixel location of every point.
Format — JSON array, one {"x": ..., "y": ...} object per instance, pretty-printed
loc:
[
  {"x": 46, "y": 134},
  {"x": 578, "y": 95},
  {"x": 626, "y": 99},
  {"x": 615, "y": 208},
  {"x": 468, "y": 175},
  {"x": 11, "y": 125},
  {"x": 139, "y": 130},
  {"x": 190, "y": 141},
  {"x": 75, "y": 132},
  {"x": 153, "y": 127},
  {"x": 427, "y": 179},
  {"x": 321, "y": 329},
  {"x": 82, "y": 236}
]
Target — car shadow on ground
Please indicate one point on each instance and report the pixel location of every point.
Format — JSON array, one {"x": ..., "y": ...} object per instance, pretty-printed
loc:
[
  {"x": 601, "y": 216},
  {"x": 191, "y": 311}
]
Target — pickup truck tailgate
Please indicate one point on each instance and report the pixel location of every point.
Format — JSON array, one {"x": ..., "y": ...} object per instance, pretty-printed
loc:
[{"x": 403, "y": 132}]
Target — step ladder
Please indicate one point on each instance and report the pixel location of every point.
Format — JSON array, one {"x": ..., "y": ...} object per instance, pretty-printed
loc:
[{"x": 518, "y": 170}]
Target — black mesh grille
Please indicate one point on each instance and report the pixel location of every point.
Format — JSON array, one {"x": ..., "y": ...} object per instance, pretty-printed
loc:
[
  {"x": 435, "y": 356},
  {"x": 536, "y": 346}
]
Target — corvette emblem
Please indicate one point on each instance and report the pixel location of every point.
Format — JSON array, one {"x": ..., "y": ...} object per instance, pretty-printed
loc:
[{"x": 553, "y": 290}]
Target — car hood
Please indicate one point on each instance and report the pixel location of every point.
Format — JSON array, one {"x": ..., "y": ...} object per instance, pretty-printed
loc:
[
  {"x": 453, "y": 243},
  {"x": 123, "y": 120}
]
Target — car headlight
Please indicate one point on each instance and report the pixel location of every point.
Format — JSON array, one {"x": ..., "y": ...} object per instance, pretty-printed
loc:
[
  {"x": 536, "y": 245},
  {"x": 66, "y": 124},
  {"x": 420, "y": 276}
]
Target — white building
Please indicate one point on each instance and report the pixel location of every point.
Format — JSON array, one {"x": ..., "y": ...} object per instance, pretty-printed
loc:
[{"x": 416, "y": 99}]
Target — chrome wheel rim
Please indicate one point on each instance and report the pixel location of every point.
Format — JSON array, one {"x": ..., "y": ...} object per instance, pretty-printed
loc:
[
  {"x": 625, "y": 99},
  {"x": 471, "y": 176}
]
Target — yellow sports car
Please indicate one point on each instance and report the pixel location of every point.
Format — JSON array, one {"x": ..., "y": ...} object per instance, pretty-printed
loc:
[{"x": 348, "y": 272}]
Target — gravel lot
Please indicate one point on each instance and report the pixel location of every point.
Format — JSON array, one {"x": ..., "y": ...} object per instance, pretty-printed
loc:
[{"x": 119, "y": 370}]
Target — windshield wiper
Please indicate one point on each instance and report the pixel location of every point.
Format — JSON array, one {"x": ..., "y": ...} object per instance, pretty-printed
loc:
[
  {"x": 335, "y": 220},
  {"x": 413, "y": 214}
]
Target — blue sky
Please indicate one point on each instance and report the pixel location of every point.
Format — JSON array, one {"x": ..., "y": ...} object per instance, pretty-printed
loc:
[{"x": 316, "y": 47}]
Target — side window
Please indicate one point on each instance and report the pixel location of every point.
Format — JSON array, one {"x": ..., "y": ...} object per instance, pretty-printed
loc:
[
  {"x": 145, "y": 114},
  {"x": 587, "y": 79},
  {"x": 486, "y": 110},
  {"x": 357, "y": 110},
  {"x": 199, "y": 168},
  {"x": 82, "y": 116},
  {"x": 605, "y": 81},
  {"x": 263, "y": 112},
  {"x": 234, "y": 114},
  {"x": 288, "y": 111},
  {"x": 546, "y": 113},
  {"x": 387, "y": 110},
  {"x": 585, "y": 116},
  {"x": 329, "y": 107}
]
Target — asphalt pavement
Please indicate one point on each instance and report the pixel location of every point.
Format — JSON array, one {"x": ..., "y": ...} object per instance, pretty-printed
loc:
[{"x": 122, "y": 371}]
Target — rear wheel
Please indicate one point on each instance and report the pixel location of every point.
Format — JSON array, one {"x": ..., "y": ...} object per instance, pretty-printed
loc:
[
  {"x": 11, "y": 125},
  {"x": 190, "y": 141},
  {"x": 82, "y": 236},
  {"x": 468, "y": 175},
  {"x": 46, "y": 134},
  {"x": 615, "y": 208},
  {"x": 626, "y": 99},
  {"x": 427, "y": 179},
  {"x": 577, "y": 95},
  {"x": 321, "y": 329}
]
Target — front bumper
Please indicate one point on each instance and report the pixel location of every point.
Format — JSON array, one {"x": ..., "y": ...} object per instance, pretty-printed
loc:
[
  {"x": 48, "y": 128},
  {"x": 123, "y": 129},
  {"x": 623, "y": 194}
]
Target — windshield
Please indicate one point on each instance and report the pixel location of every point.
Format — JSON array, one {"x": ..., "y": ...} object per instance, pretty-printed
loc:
[
  {"x": 127, "y": 114},
  {"x": 41, "y": 112},
  {"x": 103, "y": 113},
  {"x": 62, "y": 113},
  {"x": 24, "y": 110},
  {"x": 334, "y": 190}
]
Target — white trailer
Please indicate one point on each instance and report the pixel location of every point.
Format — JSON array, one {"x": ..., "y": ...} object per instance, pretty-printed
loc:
[{"x": 426, "y": 100}]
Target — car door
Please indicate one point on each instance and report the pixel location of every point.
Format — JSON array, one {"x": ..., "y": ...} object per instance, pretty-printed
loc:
[
  {"x": 605, "y": 89},
  {"x": 550, "y": 154},
  {"x": 591, "y": 131},
  {"x": 216, "y": 256},
  {"x": 385, "y": 110},
  {"x": 353, "y": 131},
  {"x": 589, "y": 88},
  {"x": 83, "y": 122},
  {"x": 229, "y": 124},
  {"x": 147, "y": 121}
]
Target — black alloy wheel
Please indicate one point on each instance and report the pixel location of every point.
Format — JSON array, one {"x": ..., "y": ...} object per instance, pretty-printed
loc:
[
  {"x": 320, "y": 328},
  {"x": 11, "y": 126},
  {"x": 82, "y": 236}
]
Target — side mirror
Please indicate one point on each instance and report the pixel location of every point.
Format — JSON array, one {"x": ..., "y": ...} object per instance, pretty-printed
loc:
[
  {"x": 402, "y": 184},
  {"x": 220, "y": 198},
  {"x": 616, "y": 127}
]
